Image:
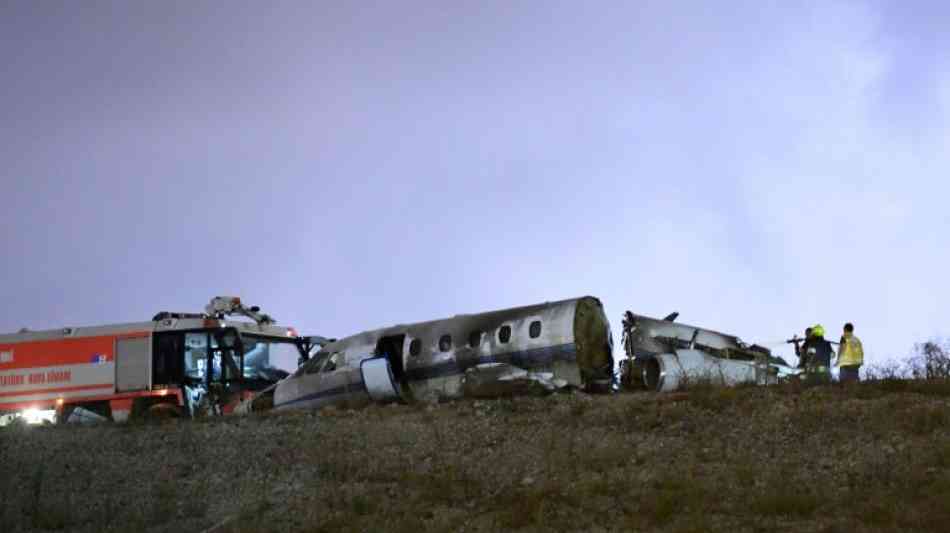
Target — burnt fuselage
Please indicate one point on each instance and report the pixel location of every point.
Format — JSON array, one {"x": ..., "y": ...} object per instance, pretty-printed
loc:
[{"x": 569, "y": 339}]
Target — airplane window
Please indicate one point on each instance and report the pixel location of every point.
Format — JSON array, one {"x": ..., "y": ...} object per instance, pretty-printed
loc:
[
  {"x": 474, "y": 339},
  {"x": 332, "y": 363},
  {"x": 415, "y": 347},
  {"x": 535, "y": 329},
  {"x": 445, "y": 343},
  {"x": 504, "y": 334},
  {"x": 315, "y": 364}
]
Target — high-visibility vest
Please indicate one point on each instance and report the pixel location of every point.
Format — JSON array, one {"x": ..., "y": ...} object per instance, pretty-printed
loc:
[{"x": 851, "y": 352}]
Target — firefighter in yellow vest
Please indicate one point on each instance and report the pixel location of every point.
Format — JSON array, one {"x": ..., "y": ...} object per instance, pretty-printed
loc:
[{"x": 850, "y": 355}]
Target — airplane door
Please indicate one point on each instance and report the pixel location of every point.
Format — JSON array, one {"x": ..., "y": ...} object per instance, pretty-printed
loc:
[
  {"x": 378, "y": 379},
  {"x": 391, "y": 348}
]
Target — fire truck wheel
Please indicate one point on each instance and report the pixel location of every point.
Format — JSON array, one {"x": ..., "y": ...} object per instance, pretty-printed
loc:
[
  {"x": 64, "y": 413},
  {"x": 162, "y": 411}
]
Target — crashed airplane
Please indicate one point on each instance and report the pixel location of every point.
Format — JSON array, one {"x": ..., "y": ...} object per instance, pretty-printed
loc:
[
  {"x": 513, "y": 351},
  {"x": 523, "y": 350},
  {"x": 664, "y": 355}
]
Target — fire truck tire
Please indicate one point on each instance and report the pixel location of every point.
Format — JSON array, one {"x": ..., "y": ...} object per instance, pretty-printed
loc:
[
  {"x": 62, "y": 416},
  {"x": 162, "y": 411}
]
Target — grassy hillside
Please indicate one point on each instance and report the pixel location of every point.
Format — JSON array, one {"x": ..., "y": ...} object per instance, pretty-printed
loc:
[{"x": 871, "y": 458}]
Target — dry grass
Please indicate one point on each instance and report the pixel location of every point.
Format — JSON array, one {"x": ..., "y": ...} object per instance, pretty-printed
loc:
[{"x": 873, "y": 457}]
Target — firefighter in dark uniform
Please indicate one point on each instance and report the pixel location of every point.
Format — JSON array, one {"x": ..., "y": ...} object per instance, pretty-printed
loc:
[
  {"x": 818, "y": 353},
  {"x": 799, "y": 351}
]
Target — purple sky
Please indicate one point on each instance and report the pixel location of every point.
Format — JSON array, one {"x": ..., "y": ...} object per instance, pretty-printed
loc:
[{"x": 756, "y": 167}]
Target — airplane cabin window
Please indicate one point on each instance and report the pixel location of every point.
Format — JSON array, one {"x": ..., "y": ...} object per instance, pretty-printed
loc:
[
  {"x": 535, "y": 329},
  {"x": 504, "y": 334},
  {"x": 315, "y": 364},
  {"x": 415, "y": 347},
  {"x": 445, "y": 343},
  {"x": 475, "y": 339},
  {"x": 335, "y": 359}
]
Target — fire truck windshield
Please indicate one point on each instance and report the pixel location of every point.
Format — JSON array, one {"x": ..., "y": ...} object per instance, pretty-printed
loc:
[{"x": 269, "y": 358}]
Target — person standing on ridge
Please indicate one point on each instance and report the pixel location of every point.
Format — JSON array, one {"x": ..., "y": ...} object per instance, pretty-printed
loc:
[
  {"x": 850, "y": 356},
  {"x": 800, "y": 348},
  {"x": 818, "y": 354}
]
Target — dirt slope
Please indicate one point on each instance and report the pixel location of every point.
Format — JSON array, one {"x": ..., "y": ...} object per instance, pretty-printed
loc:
[{"x": 876, "y": 457}]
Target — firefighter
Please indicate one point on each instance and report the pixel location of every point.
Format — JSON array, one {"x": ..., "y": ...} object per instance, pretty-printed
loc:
[
  {"x": 850, "y": 356},
  {"x": 799, "y": 349},
  {"x": 818, "y": 354}
]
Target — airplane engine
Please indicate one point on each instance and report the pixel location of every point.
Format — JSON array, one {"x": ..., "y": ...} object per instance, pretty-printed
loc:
[
  {"x": 668, "y": 372},
  {"x": 664, "y": 355}
]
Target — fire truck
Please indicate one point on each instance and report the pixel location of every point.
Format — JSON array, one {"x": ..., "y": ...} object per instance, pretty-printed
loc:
[{"x": 177, "y": 364}]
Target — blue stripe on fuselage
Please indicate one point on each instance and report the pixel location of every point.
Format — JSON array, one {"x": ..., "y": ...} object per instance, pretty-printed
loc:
[
  {"x": 524, "y": 359},
  {"x": 343, "y": 389}
]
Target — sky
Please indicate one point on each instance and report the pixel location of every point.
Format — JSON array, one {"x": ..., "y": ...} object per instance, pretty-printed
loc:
[{"x": 756, "y": 166}]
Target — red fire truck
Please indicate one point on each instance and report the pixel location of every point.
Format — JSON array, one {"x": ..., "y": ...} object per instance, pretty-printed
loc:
[{"x": 177, "y": 364}]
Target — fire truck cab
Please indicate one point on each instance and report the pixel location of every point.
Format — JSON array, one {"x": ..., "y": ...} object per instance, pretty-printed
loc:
[{"x": 177, "y": 364}]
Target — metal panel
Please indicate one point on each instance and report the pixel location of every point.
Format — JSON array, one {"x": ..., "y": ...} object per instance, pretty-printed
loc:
[
  {"x": 133, "y": 364},
  {"x": 678, "y": 369},
  {"x": 378, "y": 378},
  {"x": 344, "y": 385}
]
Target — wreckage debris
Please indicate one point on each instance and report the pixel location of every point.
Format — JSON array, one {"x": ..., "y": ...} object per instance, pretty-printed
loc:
[
  {"x": 499, "y": 380},
  {"x": 665, "y": 356}
]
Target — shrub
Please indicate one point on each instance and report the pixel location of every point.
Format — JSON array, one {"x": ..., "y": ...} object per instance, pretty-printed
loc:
[{"x": 931, "y": 360}]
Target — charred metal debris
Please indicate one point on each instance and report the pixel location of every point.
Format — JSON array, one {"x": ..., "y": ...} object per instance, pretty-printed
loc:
[{"x": 664, "y": 355}]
